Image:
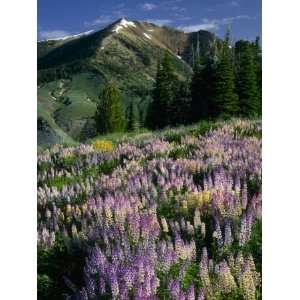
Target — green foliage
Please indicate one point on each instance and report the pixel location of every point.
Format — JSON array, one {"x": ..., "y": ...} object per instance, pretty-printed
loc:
[
  {"x": 133, "y": 117},
  {"x": 254, "y": 246},
  {"x": 166, "y": 209},
  {"x": 173, "y": 137},
  {"x": 181, "y": 106},
  {"x": 160, "y": 111},
  {"x": 55, "y": 263},
  {"x": 106, "y": 168},
  {"x": 191, "y": 277},
  {"x": 110, "y": 115},
  {"x": 249, "y": 132},
  {"x": 44, "y": 286},
  {"x": 258, "y": 65},
  {"x": 202, "y": 90},
  {"x": 237, "y": 294},
  {"x": 72, "y": 75},
  {"x": 224, "y": 86},
  {"x": 246, "y": 79},
  {"x": 181, "y": 152},
  {"x": 88, "y": 131},
  {"x": 203, "y": 127}
]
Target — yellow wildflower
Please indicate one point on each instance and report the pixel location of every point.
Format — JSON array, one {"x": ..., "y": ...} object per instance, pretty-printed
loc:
[{"x": 102, "y": 145}]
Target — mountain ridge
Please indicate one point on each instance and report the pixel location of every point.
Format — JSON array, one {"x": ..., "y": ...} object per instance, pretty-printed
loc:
[{"x": 71, "y": 71}]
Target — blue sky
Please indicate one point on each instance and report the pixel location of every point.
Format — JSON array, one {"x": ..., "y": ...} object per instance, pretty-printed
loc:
[{"x": 58, "y": 18}]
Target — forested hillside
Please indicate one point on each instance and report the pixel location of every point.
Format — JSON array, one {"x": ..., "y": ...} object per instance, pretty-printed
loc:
[{"x": 145, "y": 75}]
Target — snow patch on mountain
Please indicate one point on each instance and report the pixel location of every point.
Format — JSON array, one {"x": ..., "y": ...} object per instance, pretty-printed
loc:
[
  {"x": 123, "y": 24},
  {"x": 148, "y": 36},
  {"x": 74, "y": 36}
]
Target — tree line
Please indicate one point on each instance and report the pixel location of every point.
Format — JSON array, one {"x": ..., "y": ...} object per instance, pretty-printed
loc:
[{"x": 227, "y": 82}]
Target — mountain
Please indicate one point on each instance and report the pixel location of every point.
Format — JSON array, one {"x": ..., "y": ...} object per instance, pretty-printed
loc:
[{"x": 72, "y": 70}]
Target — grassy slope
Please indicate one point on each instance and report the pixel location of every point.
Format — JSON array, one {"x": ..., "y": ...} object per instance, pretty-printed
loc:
[{"x": 71, "y": 73}]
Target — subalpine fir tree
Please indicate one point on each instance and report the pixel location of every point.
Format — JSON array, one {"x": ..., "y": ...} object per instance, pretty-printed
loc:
[
  {"x": 109, "y": 116},
  {"x": 181, "y": 112},
  {"x": 202, "y": 91},
  {"x": 153, "y": 119},
  {"x": 224, "y": 87},
  {"x": 133, "y": 116},
  {"x": 246, "y": 79},
  {"x": 165, "y": 90},
  {"x": 258, "y": 62}
]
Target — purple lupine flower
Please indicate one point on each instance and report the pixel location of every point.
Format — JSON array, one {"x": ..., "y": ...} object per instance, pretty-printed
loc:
[
  {"x": 237, "y": 183},
  {"x": 244, "y": 196},
  {"x": 174, "y": 288},
  {"x": 191, "y": 293},
  {"x": 124, "y": 293},
  {"x": 90, "y": 286},
  {"x": 124, "y": 221},
  {"x": 147, "y": 285},
  {"x": 181, "y": 296},
  {"x": 139, "y": 293},
  {"x": 102, "y": 288},
  {"x": 243, "y": 231},
  {"x": 249, "y": 221},
  {"x": 201, "y": 295},
  {"x": 218, "y": 233},
  {"x": 83, "y": 294},
  {"x": 203, "y": 268},
  {"x": 114, "y": 285},
  {"x": 226, "y": 281},
  {"x": 128, "y": 277},
  {"x": 228, "y": 236},
  {"x": 204, "y": 257},
  {"x": 154, "y": 284}
]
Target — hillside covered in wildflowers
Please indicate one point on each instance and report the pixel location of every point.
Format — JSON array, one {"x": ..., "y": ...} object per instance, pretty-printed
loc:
[{"x": 174, "y": 214}]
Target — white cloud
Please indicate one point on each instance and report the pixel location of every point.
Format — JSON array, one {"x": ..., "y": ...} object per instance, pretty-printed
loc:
[
  {"x": 52, "y": 34},
  {"x": 231, "y": 19},
  {"x": 160, "y": 22},
  {"x": 148, "y": 6},
  {"x": 101, "y": 20},
  {"x": 213, "y": 24},
  {"x": 178, "y": 9},
  {"x": 197, "y": 27}
]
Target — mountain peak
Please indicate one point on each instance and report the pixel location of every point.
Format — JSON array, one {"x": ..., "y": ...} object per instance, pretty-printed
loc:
[{"x": 123, "y": 23}]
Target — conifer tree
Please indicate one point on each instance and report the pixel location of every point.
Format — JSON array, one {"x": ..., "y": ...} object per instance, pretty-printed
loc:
[
  {"x": 224, "y": 87},
  {"x": 246, "y": 79},
  {"x": 133, "y": 116},
  {"x": 109, "y": 116},
  {"x": 258, "y": 62},
  {"x": 202, "y": 91},
  {"x": 165, "y": 90},
  {"x": 153, "y": 119},
  {"x": 198, "y": 104},
  {"x": 181, "y": 113}
]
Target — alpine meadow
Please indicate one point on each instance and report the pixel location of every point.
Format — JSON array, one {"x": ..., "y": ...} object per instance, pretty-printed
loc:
[{"x": 149, "y": 158}]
